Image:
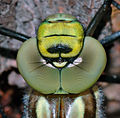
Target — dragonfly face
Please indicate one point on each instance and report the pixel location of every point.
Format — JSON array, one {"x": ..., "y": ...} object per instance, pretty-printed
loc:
[
  {"x": 58, "y": 62},
  {"x": 60, "y": 39}
]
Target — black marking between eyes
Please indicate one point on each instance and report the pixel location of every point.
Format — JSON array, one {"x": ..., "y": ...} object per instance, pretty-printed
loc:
[
  {"x": 59, "y": 49},
  {"x": 59, "y": 35}
]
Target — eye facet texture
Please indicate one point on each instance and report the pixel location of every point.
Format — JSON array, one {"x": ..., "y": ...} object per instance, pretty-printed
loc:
[{"x": 75, "y": 79}]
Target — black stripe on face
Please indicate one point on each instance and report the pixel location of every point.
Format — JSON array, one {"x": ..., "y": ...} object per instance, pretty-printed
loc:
[
  {"x": 59, "y": 49},
  {"x": 60, "y": 21},
  {"x": 63, "y": 21},
  {"x": 59, "y": 35}
]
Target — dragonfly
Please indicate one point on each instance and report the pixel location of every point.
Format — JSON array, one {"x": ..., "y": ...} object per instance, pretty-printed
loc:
[{"x": 62, "y": 65}]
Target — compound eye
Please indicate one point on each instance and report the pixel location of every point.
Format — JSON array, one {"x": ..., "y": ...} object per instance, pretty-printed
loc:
[
  {"x": 86, "y": 69},
  {"x": 34, "y": 70},
  {"x": 75, "y": 78}
]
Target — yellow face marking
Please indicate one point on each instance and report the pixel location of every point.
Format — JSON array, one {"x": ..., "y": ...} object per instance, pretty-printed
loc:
[
  {"x": 59, "y": 65},
  {"x": 64, "y": 32},
  {"x": 73, "y": 42}
]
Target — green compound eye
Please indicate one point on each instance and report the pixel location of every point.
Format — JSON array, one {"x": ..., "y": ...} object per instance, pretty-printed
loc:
[{"x": 74, "y": 79}]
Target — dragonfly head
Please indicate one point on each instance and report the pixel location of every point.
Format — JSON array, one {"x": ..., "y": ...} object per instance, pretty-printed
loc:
[{"x": 60, "y": 39}]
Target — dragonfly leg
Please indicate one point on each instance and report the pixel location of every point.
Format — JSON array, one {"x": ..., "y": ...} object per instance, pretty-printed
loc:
[
  {"x": 103, "y": 11},
  {"x": 13, "y": 34}
]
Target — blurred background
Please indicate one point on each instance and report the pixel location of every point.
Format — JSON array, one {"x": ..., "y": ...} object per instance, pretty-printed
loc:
[{"x": 24, "y": 16}]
